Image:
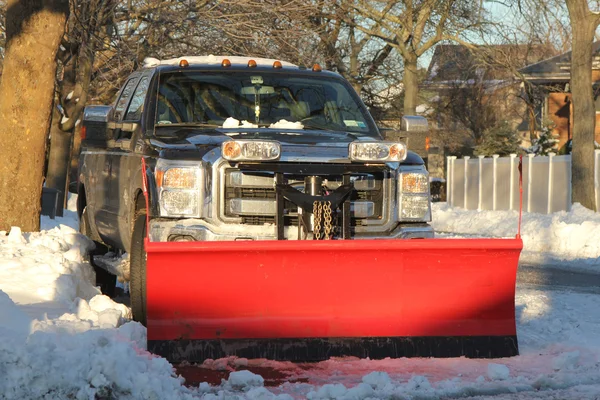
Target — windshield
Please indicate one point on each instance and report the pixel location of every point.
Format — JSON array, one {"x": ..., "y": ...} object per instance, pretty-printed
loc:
[{"x": 259, "y": 99}]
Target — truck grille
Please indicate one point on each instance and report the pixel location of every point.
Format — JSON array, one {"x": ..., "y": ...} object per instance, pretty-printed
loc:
[{"x": 249, "y": 197}]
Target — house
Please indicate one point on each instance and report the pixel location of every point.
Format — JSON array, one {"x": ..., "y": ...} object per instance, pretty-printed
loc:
[
  {"x": 475, "y": 87},
  {"x": 551, "y": 78}
]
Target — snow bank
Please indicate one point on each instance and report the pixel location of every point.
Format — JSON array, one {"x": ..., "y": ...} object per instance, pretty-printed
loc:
[
  {"x": 46, "y": 266},
  {"x": 59, "y": 337},
  {"x": 93, "y": 364},
  {"x": 13, "y": 322},
  {"x": 572, "y": 236}
]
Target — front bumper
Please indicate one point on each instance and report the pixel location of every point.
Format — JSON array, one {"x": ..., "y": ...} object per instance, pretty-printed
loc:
[{"x": 163, "y": 230}]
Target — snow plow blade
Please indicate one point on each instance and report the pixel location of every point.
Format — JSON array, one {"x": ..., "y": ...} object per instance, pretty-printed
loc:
[{"x": 312, "y": 300}]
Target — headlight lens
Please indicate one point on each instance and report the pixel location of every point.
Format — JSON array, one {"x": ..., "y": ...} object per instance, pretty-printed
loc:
[
  {"x": 180, "y": 178},
  {"x": 414, "y": 208},
  {"x": 415, "y": 183},
  {"x": 251, "y": 150},
  {"x": 377, "y": 151},
  {"x": 180, "y": 188},
  {"x": 413, "y": 195}
]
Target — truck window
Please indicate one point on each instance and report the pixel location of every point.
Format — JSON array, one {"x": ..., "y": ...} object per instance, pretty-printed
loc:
[
  {"x": 260, "y": 98},
  {"x": 124, "y": 98},
  {"x": 136, "y": 106}
]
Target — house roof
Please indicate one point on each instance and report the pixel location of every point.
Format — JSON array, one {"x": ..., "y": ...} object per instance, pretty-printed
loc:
[
  {"x": 557, "y": 68},
  {"x": 457, "y": 64}
]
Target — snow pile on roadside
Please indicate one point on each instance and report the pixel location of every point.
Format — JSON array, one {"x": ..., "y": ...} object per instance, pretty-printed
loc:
[
  {"x": 97, "y": 363},
  {"x": 46, "y": 266},
  {"x": 463, "y": 378},
  {"x": 565, "y": 236},
  {"x": 59, "y": 337}
]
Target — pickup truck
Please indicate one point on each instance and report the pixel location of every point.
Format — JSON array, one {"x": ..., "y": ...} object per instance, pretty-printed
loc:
[{"x": 242, "y": 149}]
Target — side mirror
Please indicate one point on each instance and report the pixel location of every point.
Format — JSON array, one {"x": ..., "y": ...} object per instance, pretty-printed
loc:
[
  {"x": 414, "y": 123},
  {"x": 416, "y": 131},
  {"x": 94, "y": 127}
]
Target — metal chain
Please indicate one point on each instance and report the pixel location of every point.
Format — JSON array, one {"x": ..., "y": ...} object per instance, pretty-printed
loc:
[
  {"x": 328, "y": 226},
  {"x": 318, "y": 216}
]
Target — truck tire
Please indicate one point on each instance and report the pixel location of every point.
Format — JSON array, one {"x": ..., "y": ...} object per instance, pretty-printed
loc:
[
  {"x": 137, "y": 260},
  {"x": 104, "y": 279}
]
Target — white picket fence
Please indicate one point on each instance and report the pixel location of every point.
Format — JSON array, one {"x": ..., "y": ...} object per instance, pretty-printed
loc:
[{"x": 492, "y": 183}]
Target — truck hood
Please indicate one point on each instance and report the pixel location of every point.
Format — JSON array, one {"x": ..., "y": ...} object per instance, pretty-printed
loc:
[
  {"x": 185, "y": 135},
  {"x": 296, "y": 145}
]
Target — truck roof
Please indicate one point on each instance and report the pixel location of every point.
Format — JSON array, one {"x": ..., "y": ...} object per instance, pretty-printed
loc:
[
  {"x": 237, "y": 63},
  {"x": 212, "y": 60}
]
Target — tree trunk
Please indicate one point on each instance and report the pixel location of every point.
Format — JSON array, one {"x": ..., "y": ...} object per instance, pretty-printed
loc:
[
  {"x": 75, "y": 150},
  {"x": 33, "y": 33},
  {"x": 73, "y": 91},
  {"x": 583, "y": 24},
  {"x": 411, "y": 86},
  {"x": 58, "y": 160}
]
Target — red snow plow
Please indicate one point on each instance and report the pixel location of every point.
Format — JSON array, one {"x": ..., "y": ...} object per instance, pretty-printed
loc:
[{"x": 302, "y": 300}]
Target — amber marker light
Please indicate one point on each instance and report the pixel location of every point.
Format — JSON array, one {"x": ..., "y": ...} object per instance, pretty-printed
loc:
[
  {"x": 231, "y": 150},
  {"x": 427, "y": 143},
  {"x": 184, "y": 63},
  {"x": 225, "y": 63},
  {"x": 252, "y": 64},
  {"x": 277, "y": 65},
  {"x": 396, "y": 152},
  {"x": 316, "y": 68}
]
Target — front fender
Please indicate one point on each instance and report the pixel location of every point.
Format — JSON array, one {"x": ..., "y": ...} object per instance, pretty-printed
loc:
[{"x": 152, "y": 205}]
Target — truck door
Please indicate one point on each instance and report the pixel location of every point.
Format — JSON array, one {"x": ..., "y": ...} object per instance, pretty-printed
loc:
[
  {"x": 125, "y": 161},
  {"x": 106, "y": 218}
]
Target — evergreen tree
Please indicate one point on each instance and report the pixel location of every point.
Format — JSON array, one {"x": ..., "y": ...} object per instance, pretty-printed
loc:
[
  {"x": 545, "y": 143},
  {"x": 501, "y": 139}
]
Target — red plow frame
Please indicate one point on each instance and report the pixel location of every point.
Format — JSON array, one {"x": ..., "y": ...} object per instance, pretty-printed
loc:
[
  {"x": 312, "y": 300},
  {"x": 308, "y": 301}
]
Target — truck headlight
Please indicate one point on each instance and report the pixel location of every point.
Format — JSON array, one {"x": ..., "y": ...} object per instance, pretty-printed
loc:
[
  {"x": 251, "y": 150},
  {"x": 377, "y": 151},
  {"x": 413, "y": 197},
  {"x": 180, "y": 187}
]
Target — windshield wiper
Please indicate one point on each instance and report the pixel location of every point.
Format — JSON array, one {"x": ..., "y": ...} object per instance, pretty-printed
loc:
[
  {"x": 328, "y": 130},
  {"x": 186, "y": 124},
  {"x": 173, "y": 129}
]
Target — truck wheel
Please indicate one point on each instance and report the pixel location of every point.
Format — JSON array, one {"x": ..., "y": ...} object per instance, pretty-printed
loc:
[{"x": 137, "y": 260}]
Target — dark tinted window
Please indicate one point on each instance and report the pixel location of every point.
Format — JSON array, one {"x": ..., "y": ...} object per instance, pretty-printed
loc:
[
  {"x": 124, "y": 98},
  {"x": 259, "y": 98},
  {"x": 134, "y": 112}
]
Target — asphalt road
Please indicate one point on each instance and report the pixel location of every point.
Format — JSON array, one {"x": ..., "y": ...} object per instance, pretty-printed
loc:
[{"x": 558, "y": 279}]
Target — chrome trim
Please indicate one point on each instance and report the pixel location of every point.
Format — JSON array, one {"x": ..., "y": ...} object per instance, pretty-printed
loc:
[
  {"x": 214, "y": 194},
  {"x": 260, "y": 207},
  {"x": 252, "y": 206},
  {"x": 362, "y": 209},
  {"x": 238, "y": 179},
  {"x": 200, "y": 230},
  {"x": 97, "y": 113},
  {"x": 389, "y": 214}
]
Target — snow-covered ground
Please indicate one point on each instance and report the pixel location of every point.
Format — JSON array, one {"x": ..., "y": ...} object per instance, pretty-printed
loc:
[
  {"x": 570, "y": 240},
  {"x": 61, "y": 339}
]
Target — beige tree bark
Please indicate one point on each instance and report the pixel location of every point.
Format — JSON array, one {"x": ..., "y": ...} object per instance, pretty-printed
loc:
[
  {"x": 583, "y": 24},
  {"x": 33, "y": 33}
]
